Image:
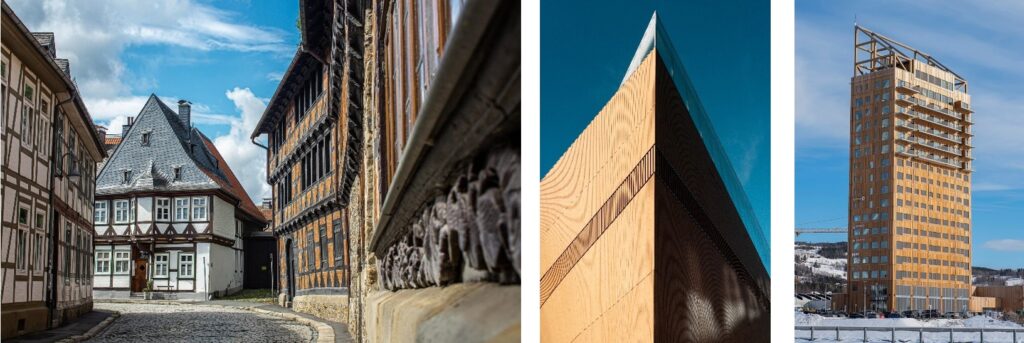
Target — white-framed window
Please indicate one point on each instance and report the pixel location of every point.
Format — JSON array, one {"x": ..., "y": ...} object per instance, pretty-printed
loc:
[
  {"x": 181, "y": 209},
  {"x": 37, "y": 262},
  {"x": 99, "y": 214},
  {"x": 186, "y": 265},
  {"x": 21, "y": 259},
  {"x": 122, "y": 208},
  {"x": 163, "y": 209},
  {"x": 103, "y": 262},
  {"x": 23, "y": 216},
  {"x": 199, "y": 208},
  {"x": 121, "y": 259},
  {"x": 160, "y": 265}
]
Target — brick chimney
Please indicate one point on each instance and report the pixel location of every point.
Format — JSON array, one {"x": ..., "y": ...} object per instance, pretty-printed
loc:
[
  {"x": 102, "y": 132},
  {"x": 185, "y": 112},
  {"x": 126, "y": 127}
]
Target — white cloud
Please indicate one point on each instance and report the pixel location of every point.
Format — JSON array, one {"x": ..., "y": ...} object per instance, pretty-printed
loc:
[
  {"x": 822, "y": 91},
  {"x": 114, "y": 112},
  {"x": 1008, "y": 245},
  {"x": 824, "y": 67},
  {"x": 745, "y": 163},
  {"x": 275, "y": 76},
  {"x": 247, "y": 160},
  {"x": 94, "y": 35}
]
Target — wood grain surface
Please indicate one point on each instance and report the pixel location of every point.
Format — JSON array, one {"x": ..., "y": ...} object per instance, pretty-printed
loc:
[{"x": 594, "y": 166}]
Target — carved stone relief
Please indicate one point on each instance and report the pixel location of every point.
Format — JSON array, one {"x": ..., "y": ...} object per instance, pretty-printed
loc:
[{"x": 472, "y": 233}]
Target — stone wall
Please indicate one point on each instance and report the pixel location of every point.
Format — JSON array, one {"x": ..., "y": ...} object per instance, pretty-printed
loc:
[
  {"x": 457, "y": 313},
  {"x": 365, "y": 208},
  {"x": 329, "y": 307}
]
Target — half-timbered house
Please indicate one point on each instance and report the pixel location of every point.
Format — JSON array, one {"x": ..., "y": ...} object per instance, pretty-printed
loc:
[
  {"x": 49, "y": 153},
  {"x": 170, "y": 214},
  {"x": 394, "y": 158}
]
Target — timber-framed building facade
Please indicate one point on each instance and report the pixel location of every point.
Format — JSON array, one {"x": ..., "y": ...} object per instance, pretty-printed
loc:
[
  {"x": 49, "y": 151},
  {"x": 170, "y": 214},
  {"x": 393, "y": 155}
]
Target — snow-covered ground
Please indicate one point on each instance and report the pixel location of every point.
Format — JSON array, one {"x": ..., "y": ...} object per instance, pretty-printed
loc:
[
  {"x": 905, "y": 329},
  {"x": 821, "y": 265},
  {"x": 1015, "y": 281}
]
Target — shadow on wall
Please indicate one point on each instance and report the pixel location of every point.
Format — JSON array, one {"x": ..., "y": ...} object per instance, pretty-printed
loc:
[{"x": 701, "y": 291}]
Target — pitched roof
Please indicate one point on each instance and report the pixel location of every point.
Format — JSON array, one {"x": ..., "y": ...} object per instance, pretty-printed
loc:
[
  {"x": 171, "y": 146},
  {"x": 45, "y": 39},
  {"x": 230, "y": 183}
]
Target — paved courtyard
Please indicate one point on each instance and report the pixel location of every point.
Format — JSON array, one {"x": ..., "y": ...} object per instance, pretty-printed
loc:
[{"x": 197, "y": 323}]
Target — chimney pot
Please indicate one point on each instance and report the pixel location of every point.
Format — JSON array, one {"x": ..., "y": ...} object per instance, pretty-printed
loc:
[
  {"x": 185, "y": 112},
  {"x": 126, "y": 127},
  {"x": 102, "y": 132}
]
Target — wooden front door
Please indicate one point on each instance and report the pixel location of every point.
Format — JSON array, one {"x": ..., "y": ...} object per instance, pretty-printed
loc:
[{"x": 139, "y": 276}]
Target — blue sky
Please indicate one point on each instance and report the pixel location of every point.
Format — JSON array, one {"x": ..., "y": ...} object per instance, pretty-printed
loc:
[
  {"x": 982, "y": 41},
  {"x": 225, "y": 57},
  {"x": 586, "y": 47}
]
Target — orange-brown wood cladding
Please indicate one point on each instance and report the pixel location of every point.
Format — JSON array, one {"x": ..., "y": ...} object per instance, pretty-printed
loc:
[
  {"x": 625, "y": 258},
  {"x": 597, "y": 225},
  {"x": 594, "y": 166},
  {"x": 935, "y": 193},
  {"x": 311, "y": 273},
  {"x": 604, "y": 287},
  {"x": 415, "y": 37}
]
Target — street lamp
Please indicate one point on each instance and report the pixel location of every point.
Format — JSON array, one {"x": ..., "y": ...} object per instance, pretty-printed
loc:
[{"x": 74, "y": 174}]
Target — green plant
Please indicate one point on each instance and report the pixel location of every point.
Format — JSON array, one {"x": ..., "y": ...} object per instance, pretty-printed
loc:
[{"x": 149, "y": 286}]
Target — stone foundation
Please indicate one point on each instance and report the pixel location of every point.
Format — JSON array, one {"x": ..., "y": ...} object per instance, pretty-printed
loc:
[
  {"x": 329, "y": 307},
  {"x": 466, "y": 312},
  {"x": 32, "y": 319}
]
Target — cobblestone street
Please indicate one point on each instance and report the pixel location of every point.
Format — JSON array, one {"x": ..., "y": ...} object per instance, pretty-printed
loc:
[{"x": 197, "y": 323}]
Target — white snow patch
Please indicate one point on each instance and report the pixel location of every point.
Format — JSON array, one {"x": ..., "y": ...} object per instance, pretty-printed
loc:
[
  {"x": 854, "y": 333},
  {"x": 820, "y": 265}
]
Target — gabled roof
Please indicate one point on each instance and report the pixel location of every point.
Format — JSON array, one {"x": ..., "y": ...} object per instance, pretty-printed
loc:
[
  {"x": 171, "y": 145},
  {"x": 230, "y": 183},
  {"x": 45, "y": 39}
]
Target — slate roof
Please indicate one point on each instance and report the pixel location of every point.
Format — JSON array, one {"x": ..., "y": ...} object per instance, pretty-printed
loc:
[
  {"x": 45, "y": 39},
  {"x": 171, "y": 145},
  {"x": 64, "y": 65}
]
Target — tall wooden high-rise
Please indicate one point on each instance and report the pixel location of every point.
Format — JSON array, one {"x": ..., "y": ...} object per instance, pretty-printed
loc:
[{"x": 910, "y": 180}]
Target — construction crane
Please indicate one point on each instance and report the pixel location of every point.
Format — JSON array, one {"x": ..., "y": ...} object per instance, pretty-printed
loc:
[{"x": 821, "y": 230}]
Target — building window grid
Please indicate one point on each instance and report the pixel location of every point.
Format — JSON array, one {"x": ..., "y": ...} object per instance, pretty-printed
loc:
[
  {"x": 162, "y": 209},
  {"x": 181, "y": 209},
  {"x": 186, "y": 266},
  {"x": 199, "y": 208},
  {"x": 103, "y": 260},
  {"x": 160, "y": 265},
  {"x": 323, "y": 246},
  {"x": 121, "y": 262}
]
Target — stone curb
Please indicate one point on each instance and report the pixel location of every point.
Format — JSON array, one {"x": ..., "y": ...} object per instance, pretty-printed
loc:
[
  {"x": 325, "y": 333},
  {"x": 92, "y": 332},
  {"x": 150, "y": 302}
]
